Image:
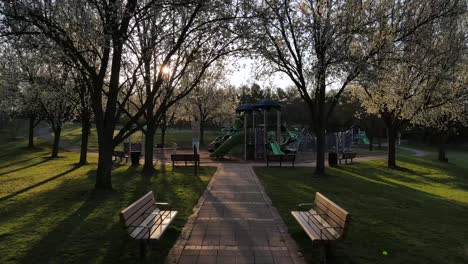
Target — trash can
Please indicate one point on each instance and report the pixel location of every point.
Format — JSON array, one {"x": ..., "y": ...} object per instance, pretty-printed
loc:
[
  {"x": 135, "y": 157},
  {"x": 332, "y": 159}
]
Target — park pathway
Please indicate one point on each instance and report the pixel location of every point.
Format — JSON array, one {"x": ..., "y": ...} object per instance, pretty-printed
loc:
[{"x": 235, "y": 222}]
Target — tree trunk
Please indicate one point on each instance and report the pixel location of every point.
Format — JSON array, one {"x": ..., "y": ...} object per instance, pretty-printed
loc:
[
  {"x": 202, "y": 132},
  {"x": 55, "y": 146},
  {"x": 85, "y": 131},
  {"x": 442, "y": 155},
  {"x": 320, "y": 167},
  {"x": 106, "y": 146},
  {"x": 321, "y": 120},
  {"x": 148, "y": 167},
  {"x": 163, "y": 135},
  {"x": 31, "y": 133},
  {"x": 392, "y": 137},
  {"x": 371, "y": 143}
]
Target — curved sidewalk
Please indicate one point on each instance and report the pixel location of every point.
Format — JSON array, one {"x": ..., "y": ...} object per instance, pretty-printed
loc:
[{"x": 235, "y": 222}]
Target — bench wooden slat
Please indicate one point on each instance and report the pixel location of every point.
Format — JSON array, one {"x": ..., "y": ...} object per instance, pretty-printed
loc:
[
  {"x": 157, "y": 231},
  {"x": 280, "y": 158},
  {"x": 134, "y": 207},
  {"x": 141, "y": 214},
  {"x": 311, "y": 231},
  {"x": 186, "y": 157},
  {"x": 331, "y": 206},
  {"x": 325, "y": 214},
  {"x": 331, "y": 232},
  {"x": 330, "y": 217},
  {"x": 144, "y": 220},
  {"x": 154, "y": 218}
]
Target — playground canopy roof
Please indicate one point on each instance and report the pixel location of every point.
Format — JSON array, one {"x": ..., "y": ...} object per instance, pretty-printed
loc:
[
  {"x": 260, "y": 104},
  {"x": 245, "y": 107},
  {"x": 267, "y": 104}
]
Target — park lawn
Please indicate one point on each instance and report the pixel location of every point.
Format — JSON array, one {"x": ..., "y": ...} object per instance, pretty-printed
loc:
[
  {"x": 183, "y": 137},
  {"x": 49, "y": 212},
  {"x": 416, "y": 214}
]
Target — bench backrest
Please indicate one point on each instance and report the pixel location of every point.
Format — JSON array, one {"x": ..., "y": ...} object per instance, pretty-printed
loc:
[
  {"x": 333, "y": 214},
  {"x": 138, "y": 211},
  {"x": 185, "y": 157}
]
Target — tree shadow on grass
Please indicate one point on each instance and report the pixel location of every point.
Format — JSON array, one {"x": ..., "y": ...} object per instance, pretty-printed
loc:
[
  {"x": 20, "y": 161},
  {"x": 47, "y": 249},
  {"x": 28, "y": 166},
  {"x": 385, "y": 216},
  {"x": 4, "y": 198}
]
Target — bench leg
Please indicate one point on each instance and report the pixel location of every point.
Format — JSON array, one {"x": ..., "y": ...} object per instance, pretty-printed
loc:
[{"x": 142, "y": 250}]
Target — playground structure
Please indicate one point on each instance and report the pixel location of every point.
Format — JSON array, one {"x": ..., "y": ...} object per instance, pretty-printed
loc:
[
  {"x": 258, "y": 130},
  {"x": 343, "y": 141}
]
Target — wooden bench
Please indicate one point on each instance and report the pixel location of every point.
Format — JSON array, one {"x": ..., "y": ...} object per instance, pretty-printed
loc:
[
  {"x": 186, "y": 157},
  {"x": 121, "y": 155},
  {"x": 347, "y": 155},
  {"x": 325, "y": 222},
  {"x": 145, "y": 221},
  {"x": 280, "y": 159}
]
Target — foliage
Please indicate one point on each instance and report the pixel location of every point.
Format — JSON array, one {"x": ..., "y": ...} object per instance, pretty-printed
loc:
[{"x": 211, "y": 101}]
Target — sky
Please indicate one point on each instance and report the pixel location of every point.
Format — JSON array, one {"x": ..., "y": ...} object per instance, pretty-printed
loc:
[{"x": 242, "y": 71}]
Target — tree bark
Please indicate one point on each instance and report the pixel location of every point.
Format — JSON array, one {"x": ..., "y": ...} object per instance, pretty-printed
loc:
[
  {"x": 31, "y": 132},
  {"x": 148, "y": 167},
  {"x": 163, "y": 135},
  {"x": 202, "y": 132},
  {"x": 106, "y": 146},
  {"x": 321, "y": 120},
  {"x": 56, "y": 144},
  {"x": 379, "y": 140},
  {"x": 320, "y": 167},
  {"x": 85, "y": 131},
  {"x": 392, "y": 137},
  {"x": 371, "y": 143},
  {"x": 442, "y": 155}
]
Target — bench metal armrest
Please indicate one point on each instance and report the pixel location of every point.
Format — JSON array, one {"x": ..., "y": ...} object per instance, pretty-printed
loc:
[
  {"x": 165, "y": 204},
  {"x": 327, "y": 227}
]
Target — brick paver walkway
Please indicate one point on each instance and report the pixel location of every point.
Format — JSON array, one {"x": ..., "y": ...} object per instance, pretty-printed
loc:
[{"x": 235, "y": 223}]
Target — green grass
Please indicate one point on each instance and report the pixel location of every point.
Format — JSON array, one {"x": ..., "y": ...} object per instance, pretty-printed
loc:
[
  {"x": 49, "y": 212},
  {"x": 183, "y": 138},
  {"x": 417, "y": 214}
]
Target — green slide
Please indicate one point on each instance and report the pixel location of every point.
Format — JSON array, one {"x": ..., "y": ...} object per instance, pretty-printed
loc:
[
  {"x": 276, "y": 148},
  {"x": 365, "y": 140},
  {"x": 234, "y": 140}
]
